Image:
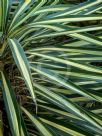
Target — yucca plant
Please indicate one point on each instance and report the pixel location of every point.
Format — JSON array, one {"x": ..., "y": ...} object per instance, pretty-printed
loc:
[{"x": 50, "y": 68}]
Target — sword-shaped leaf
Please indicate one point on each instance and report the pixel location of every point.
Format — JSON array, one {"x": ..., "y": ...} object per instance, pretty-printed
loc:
[
  {"x": 4, "y": 7},
  {"x": 23, "y": 6},
  {"x": 38, "y": 124},
  {"x": 23, "y": 65},
  {"x": 67, "y": 105},
  {"x": 11, "y": 105}
]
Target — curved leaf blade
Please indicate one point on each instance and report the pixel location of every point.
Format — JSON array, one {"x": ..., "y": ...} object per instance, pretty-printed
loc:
[
  {"x": 42, "y": 129},
  {"x": 11, "y": 107},
  {"x": 23, "y": 65}
]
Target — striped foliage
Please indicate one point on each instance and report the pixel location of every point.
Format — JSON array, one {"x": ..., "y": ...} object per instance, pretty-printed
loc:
[{"x": 51, "y": 67}]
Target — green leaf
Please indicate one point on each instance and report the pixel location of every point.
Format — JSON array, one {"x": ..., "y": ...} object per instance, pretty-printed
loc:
[
  {"x": 0, "y": 34},
  {"x": 67, "y": 105},
  {"x": 1, "y": 124},
  {"x": 29, "y": 13},
  {"x": 68, "y": 128},
  {"x": 67, "y": 84},
  {"x": 77, "y": 8},
  {"x": 23, "y": 64},
  {"x": 4, "y": 9},
  {"x": 11, "y": 105},
  {"x": 68, "y": 62},
  {"x": 23, "y": 6},
  {"x": 38, "y": 124}
]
